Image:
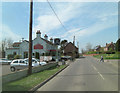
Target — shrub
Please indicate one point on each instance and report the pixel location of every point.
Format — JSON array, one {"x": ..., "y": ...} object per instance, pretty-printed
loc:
[
  {"x": 10, "y": 56},
  {"x": 17, "y": 56}
]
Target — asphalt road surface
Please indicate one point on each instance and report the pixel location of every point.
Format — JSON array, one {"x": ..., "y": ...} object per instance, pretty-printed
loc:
[{"x": 85, "y": 74}]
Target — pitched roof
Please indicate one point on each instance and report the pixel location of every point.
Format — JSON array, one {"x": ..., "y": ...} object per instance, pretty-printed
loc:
[
  {"x": 11, "y": 48},
  {"x": 72, "y": 44},
  {"x": 47, "y": 41},
  {"x": 16, "y": 44},
  {"x": 108, "y": 45}
]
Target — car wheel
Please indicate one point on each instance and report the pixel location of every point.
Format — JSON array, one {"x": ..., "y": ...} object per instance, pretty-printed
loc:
[{"x": 12, "y": 69}]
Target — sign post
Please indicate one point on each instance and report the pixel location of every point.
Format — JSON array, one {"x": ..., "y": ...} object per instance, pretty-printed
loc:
[{"x": 57, "y": 42}]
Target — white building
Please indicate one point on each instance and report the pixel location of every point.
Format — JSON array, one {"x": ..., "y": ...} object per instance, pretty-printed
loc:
[{"x": 40, "y": 47}]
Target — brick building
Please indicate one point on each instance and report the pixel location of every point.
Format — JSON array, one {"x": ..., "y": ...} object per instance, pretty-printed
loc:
[
  {"x": 110, "y": 46},
  {"x": 71, "y": 50}
]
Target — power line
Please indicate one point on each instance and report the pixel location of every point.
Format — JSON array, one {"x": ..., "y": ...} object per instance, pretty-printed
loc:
[{"x": 56, "y": 15}]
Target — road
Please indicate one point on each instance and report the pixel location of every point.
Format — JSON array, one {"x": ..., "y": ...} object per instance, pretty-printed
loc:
[{"x": 85, "y": 74}]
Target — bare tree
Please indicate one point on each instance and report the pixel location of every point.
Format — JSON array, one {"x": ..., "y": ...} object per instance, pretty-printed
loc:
[
  {"x": 82, "y": 51},
  {"x": 89, "y": 47},
  {"x": 5, "y": 43}
]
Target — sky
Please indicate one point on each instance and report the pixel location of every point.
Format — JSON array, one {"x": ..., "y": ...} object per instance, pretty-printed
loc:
[{"x": 90, "y": 22}]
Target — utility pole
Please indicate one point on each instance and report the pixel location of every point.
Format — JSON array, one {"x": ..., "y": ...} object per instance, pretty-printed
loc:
[{"x": 30, "y": 39}]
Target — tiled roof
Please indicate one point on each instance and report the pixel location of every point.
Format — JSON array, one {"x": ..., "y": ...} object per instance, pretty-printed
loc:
[
  {"x": 72, "y": 44},
  {"x": 47, "y": 41},
  {"x": 11, "y": 48},
  {"x": 16, "y": 44}
]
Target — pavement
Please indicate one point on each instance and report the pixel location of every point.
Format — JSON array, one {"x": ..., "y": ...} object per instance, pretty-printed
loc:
[
  {"x": 5, "y": 69},
  {"x": 85, "y": 74}
]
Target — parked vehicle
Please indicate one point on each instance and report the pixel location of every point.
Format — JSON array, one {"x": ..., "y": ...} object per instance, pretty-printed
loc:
[
  {"x": 23, "y": 63},
  {"x": 65, "y": 58},
  {"x": 36, "y": 61},
  {"x": 5, "y": 60},
  {"x": 18, "y": 64}
]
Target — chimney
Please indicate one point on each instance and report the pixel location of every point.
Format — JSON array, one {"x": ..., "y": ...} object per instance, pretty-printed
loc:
[
  {"x": 46, "y": 37},
  {"x": 74, "y": 40},
  {"x": 22, "y": 39},
  {"x": 51, "y": 40},
  {"x": 38, "y": 33},
  {"x": 106, "y": 44},
  {"x": 111, "y": 42}
]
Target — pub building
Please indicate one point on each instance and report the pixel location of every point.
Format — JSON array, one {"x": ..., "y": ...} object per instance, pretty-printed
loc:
[{"x": 40, "y": 46}]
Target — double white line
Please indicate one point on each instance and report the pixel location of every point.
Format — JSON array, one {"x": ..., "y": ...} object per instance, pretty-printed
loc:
[{"x": 98, "y": 72}]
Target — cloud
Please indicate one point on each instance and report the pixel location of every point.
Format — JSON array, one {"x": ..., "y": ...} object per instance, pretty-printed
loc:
[
  {"x": 91, "y": 30},
  {"x": 48, "y": 22},
  {"x": 62, "y": 1},
  {"x": 7, "y": 33}
]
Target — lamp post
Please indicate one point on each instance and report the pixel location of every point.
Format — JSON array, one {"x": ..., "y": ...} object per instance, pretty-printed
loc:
[{"x": 30, "y": 39}]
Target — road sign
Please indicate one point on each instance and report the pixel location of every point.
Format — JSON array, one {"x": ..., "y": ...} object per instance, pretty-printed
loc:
[{"x": 57, "y": 41}]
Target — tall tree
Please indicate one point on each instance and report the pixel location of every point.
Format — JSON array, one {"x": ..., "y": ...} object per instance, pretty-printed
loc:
[
  {"x": 89, "y": 47},
  {"x": 5, "y": 43},
  {"x": 117, "y": 45},
  {"x": 63, "y": 44}
]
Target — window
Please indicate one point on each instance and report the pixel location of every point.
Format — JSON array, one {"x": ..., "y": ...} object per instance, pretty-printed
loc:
[
  {"x": 25, "y": 54},
  {"x": 21, "y": 61},
  {"x": 14, "y": 53},
  {"x": 15, "y": 62},
  {"x": 34, "y": 61}
]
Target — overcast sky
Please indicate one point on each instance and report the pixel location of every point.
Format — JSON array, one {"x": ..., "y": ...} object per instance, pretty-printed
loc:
[{"x": 89, "y": 22}]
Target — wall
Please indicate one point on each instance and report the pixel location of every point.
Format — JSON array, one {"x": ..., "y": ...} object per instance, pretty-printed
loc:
[{"x": 23, "y": 73}]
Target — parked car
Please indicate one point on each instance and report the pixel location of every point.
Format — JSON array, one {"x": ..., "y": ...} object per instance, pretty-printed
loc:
[
  {"x": 36, "y": 61},
  {"x": 65, "y": 58},
  {"x": 23, "y": 63},
  {"x": 5, "y": 60},
  {"x": 18, "y": 64}
]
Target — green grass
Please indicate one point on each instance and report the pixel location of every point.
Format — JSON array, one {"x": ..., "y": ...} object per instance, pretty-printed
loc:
[
  {"x": 108, "y": 56},
  {"x": 29, "y": 82}
]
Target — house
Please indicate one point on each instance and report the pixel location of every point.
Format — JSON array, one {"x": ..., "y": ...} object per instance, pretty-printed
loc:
[
  {"x": 110, "y": 46},
  {"x": 97, "y": 48},
  {"x": 71, "y": 50},
  {"x": 40, "y": 47}
]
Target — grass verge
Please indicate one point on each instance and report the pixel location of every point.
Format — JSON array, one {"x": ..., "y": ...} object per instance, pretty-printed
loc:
[
  {"x": 108, "y": 56},
  {"x": 31, "y": 81}
]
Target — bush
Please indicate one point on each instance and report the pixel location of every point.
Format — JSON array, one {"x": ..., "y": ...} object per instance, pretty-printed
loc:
[
  {"x": 91, "y": 52},
  {"x": 10, "y": 56},
  {"x": 17, "y": 56}
]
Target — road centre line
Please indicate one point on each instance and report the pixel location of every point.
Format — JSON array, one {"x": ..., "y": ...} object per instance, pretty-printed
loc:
[
  {"x": 98, "y": 72},
  {"x": 94, "y": 67},
  {"x": 101, "y": 75}
]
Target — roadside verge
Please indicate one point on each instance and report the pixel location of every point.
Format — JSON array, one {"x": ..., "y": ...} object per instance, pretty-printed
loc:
[{"x": 45, "y": 81}]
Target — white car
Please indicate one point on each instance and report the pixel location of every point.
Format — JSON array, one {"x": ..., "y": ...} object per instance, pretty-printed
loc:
[
  {"x": 18, "y": 64},
  {"x": 23, "y": 63},
  {"x": 5, "y": 60},
  {"x": 35, "y": 62}
]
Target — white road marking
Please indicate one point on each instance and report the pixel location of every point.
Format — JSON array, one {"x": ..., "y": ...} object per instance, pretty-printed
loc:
[
  {"x": 94, "y": 67},
  {"x": 98, "y": 72},
  {"x": 101, "y": 75}
]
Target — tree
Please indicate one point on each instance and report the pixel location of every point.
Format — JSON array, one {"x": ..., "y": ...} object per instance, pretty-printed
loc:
[
  {"x": 5, "y": 43},
  {"x": 63, "y": 44},
  {"x": 82, "y": 51},
  {"x": 89, "y": 47},
  {"x": 117, "y": 45}
]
